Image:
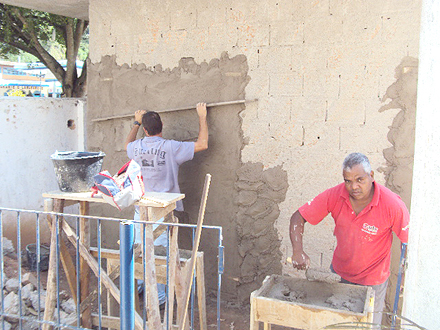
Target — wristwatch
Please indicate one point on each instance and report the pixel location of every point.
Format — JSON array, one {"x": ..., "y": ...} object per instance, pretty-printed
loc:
[{"x": 137, "y": 123}]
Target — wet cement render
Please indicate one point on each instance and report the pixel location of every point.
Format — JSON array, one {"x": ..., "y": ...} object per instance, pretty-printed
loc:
[
  {"x": 243, "y": 198},
  {"x": 400, "y": 156}
]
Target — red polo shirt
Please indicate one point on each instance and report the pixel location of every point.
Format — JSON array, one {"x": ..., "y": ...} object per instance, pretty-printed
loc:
[{"x": 363, "y": 249}]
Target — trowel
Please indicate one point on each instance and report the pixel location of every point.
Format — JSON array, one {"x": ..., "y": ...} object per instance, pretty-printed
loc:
[{"x": 320, "y": 274}]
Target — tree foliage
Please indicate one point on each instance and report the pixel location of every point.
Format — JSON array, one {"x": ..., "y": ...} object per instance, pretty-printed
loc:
[{"x": 36, "y": 32}]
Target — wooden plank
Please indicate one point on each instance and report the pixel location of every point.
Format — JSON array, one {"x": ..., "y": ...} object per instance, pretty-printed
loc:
[
  {"x": 114, "y": 254},
  {"x": 209, "y": 105},
  {"x": 195, "y": 248},
  {"x": 180, "y": 286},
  {"x": 112, "y": 306},
  {"x": 254, "y": 324},
  {"x": 84, "y": 227},
  {"x": 66, "y": 258},
  {"x": 153, "y": 312},
  {"x": 201, "y": 294},
  {"x": 93, "y": 264},
  {"x": 52, "y": 270},
  {"x": 150, "y": 199},
  {"x": 113, "y": 274},
  {"x": 110, "y": 322},
  {"x": 174, "y": 251}
]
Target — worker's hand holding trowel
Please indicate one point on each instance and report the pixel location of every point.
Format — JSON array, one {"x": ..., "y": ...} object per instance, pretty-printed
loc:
[{"x": 300, "y": 260}]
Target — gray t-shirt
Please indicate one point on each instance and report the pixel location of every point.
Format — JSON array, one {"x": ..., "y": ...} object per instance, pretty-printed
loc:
[{"x": 160, "y": 160}]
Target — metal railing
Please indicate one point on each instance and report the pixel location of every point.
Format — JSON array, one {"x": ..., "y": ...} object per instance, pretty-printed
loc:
[{"x": 23, "y": 305}]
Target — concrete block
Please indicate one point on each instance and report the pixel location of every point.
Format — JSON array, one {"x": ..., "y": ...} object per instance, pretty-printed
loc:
[
  {"x": 286, "y": 84},
  {"x": 397, "y": 26},
  {"x": 228, "y": 33},
  {"x": 286, "y": 33},
  {"x": 361, "y": 28},
  {"x": 352, "y": 85},
  {"x": 276, "y": 59},
  {"x": 284, "y": 10},
  {"x": 183, "y": 18},
  {"x": 362, "y": 138},
  {"x": 312, "y": 57},
  {"x": 308, "y": 109},
  {"x": 210, "y": 14},
  {"x": 321, "y": 136},
  {"x": 253, "y": 35},
  {"x": 346, "y": 110},
  {"x": 315, "y": 34},
  {"x": 386, "y": 6},
  {"x": 322, "y": 84}
]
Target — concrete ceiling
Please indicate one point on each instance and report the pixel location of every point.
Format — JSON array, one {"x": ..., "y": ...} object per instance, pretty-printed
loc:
[{"x": 69, "y": 8}]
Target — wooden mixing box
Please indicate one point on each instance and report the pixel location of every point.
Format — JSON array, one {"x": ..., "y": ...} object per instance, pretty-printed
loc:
[{"x": 303, "y": 304}]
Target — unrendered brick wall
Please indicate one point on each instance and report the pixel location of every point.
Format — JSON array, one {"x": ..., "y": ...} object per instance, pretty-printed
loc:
[{"x": 319, "y": 71}]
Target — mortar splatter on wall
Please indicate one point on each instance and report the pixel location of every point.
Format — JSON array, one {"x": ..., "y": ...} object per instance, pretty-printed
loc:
[{"x": 400, "y": 157}]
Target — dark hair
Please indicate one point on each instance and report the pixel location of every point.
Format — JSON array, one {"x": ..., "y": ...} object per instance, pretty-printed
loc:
[{"x": 152, "y": 123}]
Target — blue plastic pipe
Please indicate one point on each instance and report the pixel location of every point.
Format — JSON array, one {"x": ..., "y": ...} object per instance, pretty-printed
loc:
[
  {"x": 399, "y": 283},
  {"x": 127, "y": 309}
]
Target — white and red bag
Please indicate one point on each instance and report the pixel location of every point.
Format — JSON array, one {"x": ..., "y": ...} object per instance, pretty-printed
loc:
[{"x": 123, "y": 189}]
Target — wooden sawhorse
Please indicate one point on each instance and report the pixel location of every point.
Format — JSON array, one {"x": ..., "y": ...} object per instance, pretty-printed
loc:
[{"x": 153, "y": 206}]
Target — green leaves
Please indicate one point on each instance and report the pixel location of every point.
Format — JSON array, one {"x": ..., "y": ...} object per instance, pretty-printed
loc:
[{"x": 49, "y": 38}]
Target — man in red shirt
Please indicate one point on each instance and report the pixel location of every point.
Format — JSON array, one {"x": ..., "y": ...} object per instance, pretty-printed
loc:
[{"x": 365, "y": 214}]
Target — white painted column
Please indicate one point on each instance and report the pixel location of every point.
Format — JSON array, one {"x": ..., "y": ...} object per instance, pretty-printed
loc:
[
  {"x": 81, "y": 125},
  {"x": 422, "y": 283}
]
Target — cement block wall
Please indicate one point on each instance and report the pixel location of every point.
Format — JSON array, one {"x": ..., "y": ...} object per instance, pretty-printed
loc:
[
  {"x": 32, "y": 129},
  {"x": 319, "y": 69}
]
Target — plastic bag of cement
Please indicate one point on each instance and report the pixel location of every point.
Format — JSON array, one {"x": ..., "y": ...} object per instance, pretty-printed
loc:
[{"x": 122, "y": 190}]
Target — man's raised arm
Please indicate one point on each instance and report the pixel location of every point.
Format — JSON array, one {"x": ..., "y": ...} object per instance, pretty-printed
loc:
[
  {"x": 134, "y": 130},
  {"x": 300, "y": 260},
  {"x": 202, "y": 139}
]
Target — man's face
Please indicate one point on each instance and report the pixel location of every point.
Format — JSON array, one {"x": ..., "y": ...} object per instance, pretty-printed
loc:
[{"x": 358, "y": 183}]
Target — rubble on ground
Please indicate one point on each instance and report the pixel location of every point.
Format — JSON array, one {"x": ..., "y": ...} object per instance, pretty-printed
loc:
[{"x": 33, "y": 299}]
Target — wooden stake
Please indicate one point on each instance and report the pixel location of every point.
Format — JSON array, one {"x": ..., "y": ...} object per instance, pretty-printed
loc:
[
  {"x": 153, "y": 312},
  {"x": 209, "y": 105},
  {"x": 86, "y": 318},
  {"x": 192, "y": 266},
  {"x": 52, "y": 271}
]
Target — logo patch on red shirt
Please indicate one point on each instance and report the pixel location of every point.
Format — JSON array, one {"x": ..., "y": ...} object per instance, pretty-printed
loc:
[{"x": 369, "y": 229}]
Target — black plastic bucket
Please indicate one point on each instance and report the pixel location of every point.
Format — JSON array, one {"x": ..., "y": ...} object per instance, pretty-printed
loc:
[
  {"x": 31, "y": 253},
  {"x": 75, "y": 169}
]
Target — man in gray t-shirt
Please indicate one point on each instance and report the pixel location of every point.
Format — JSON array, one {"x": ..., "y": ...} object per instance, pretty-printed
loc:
[{"x": 160, "y": 160}]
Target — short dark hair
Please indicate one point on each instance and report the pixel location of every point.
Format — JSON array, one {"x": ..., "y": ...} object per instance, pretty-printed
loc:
[
  {"x": 152, "y": 123},
  {"x": 354, "y": 159}
]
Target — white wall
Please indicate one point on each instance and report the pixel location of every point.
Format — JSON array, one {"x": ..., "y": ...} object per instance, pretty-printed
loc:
[
  {"x": 422, "y": 299},
  {"x": 31, "y": 129}
]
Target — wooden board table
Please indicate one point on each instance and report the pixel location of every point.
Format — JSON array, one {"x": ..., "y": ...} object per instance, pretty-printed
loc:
[
  {"x": 153, "y": 207},
  {"x": 302, "y": 304}
]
